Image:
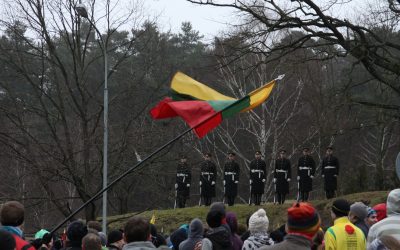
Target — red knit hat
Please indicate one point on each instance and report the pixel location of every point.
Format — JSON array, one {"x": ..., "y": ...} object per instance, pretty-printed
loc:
[{"x": 303, "y": 219}]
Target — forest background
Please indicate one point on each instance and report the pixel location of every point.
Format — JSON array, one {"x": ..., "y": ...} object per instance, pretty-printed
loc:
[{"x": 341, "y": 89}]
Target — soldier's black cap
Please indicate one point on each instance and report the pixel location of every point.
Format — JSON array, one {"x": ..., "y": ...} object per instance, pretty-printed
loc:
[
  {"x": 306, "y": 149},
  {"x": 329, "y": 147},
  {"x": 231, "y": 153},
  {"x": 208, "y": 154},
  {"x": 258, "y": 152},
  {"x": 282, "y": 151}
]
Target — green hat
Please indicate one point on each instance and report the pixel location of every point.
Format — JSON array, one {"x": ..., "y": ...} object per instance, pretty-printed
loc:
[{"x": 41, "y": 233}]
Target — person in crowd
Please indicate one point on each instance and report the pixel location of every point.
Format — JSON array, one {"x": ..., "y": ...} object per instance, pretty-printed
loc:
[
  {"x": 282, "y": 175},
  {"x": 95, "y": 225},
  {"x": 12, "y": 216},
  {"x": 244, "y": 236},
  {"x": 137, "y": 234},
  {"x": 43, "y": 240},
  {"x": 231, "y": 220},
  {"x": 75, "y": 233},
  {"x": 156, "y": 238},
  {"x": 385, "y": 242},
  {"x": 278, "y": 234},
  {"x": 7, "y": 241},
  {"x": 357, "y": 215},
  {"x": 391, "y": 224},
  {"x": 195, "y": 235},
  {"x": 91, "y": 241},
  {"x": 208, "y": 176},
  {"x": 179, "y": 235},
  {"x": 183, "y": 182},
  {"x": 218, "y": 233},
  {"x": 380, "y": 211},
  {"x": 372, "y": 217},
  {"x": 258, "y": 171},
  {"x": 115, "y": 240},
  {"x": 258, "y": 226},
  {"x": 343, "y": 234},
  {"x": 305, "y": 174},
  {"x": 318, "y": 241},
  {"x": 302, "y": 224},
  {"x": 231, "y": 179},
  {"x": 330, "y": 172}
]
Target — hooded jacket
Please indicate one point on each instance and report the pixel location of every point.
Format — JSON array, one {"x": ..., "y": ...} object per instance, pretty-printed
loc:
[
  {"x": 389, "y": 225},
  {"x": 195, "y": 235},
  {"x": 220, "y": 238}
]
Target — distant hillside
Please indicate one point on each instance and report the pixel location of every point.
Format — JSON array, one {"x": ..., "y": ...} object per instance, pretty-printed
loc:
[{"x": 169, "y": 220}]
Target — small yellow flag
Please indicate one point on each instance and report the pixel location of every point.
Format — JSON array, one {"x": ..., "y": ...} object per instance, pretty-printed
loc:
[{"x": 153, "y": 219}]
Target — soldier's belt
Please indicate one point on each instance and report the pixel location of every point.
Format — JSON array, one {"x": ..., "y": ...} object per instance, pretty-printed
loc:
[
  {"x": 206, "y": 173},
  {"x": 281, "y": 171},
  {"x": 257, "y": 171},
  {"x": 181, "y": 175},
  {"x": 230, "y": 173},
  {"x": 329, "y": 167},
  {"x": 304, "y": 168}
]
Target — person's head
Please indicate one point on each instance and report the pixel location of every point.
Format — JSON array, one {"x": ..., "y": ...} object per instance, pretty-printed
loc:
[
  {"x": 306, "y": 151},
  {"x": 393, "y": 203},
  {"x": 231, "y": 156},
  {"x": 137, "y": 229},
  {"x": 380, "y": 211},
  {"x": 75, "y": 233},
  {"x": 44, "y": 237},
  {"x": 258, "y": 154},
  {"x": 183, "y": 159},
  {"x": 207, "y": 156},
  {"x": 340, "y": 208},
  {"x": 12, "y": 214},
  {"x": 372, "y": 217},
  {"x": 196, "y": 228},
  {"x": 92, "y": 224},
  {"x": 329, "y": 150},
  {"x": 282, "y": 153},
  {"x": 7, "y": 241},
  {"x": 303, "y": 219},
  {"x": 358, "y": 212},
  {"x": 115, "y": 237},
  {"x": 178, "y": 236},
  {"x": 258, "y": 222},
  {"x": 231, "y": 219},
  {"x": 91, "y": 241}
]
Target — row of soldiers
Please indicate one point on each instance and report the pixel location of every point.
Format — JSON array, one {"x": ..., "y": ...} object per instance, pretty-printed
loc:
[{"x": 258, "y": 174}]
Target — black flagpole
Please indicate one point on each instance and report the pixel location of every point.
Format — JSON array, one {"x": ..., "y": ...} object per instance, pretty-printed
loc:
[{"x": 127, "y": 172}]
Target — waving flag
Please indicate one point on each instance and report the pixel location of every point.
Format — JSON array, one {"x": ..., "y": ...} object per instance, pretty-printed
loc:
[{"x": 202, "y": 107}]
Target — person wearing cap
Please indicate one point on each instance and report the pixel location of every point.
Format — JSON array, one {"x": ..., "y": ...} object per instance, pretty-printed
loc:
[
  {"x": 305, "y": 174},
  {"x": 208, "y": 176},
  {"x": 75, "y": 233},
  {"x": 219, "y": 233},
  {"x": 380, "y": 211},
  {"x": 43, "y": 240},
  {"x": 258, "y": 171},
  {"x": 391, "y": 224},
  {"x": 343, "y": 234},
  {"x": 282, "y": 174},
  {"x": 183, "y": 182},
  {"x": 231, "y": 179},
  {"x": 258, "y": 227},
  {"x": 330, "y": 172},
  {"x": 357, "y": 215},
  {"x": 303, "y": 222},
  {"x": 372, "y": 217},
  {"x": 12, "y": 216},
  {"x": 115, "y": 240}
]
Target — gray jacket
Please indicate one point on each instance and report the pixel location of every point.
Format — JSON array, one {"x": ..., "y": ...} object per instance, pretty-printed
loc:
[
  {"x": 291, "y": 242},
  {"x": 142, "y": 245}
]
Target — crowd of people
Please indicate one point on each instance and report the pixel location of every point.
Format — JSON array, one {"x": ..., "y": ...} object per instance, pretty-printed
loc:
[
  {"x": 355, "y": 227},
  {"x": 282, "y": 174}
]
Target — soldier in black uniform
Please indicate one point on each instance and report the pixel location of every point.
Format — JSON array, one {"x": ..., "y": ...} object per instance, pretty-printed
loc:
[
  {"x": 305, "y": 174},
  {"x": 231, "y": 178},
  {"x": 183, "y": 181},
  {"x": 282, "y": 175},
  {"x": 208, "y": 175},
  {"x": 330, "y": 171},
  {"x": 258, "y": 170}
]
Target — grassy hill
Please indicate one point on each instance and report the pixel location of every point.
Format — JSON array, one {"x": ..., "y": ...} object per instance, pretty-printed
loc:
[{"x": 170, "y": 219}]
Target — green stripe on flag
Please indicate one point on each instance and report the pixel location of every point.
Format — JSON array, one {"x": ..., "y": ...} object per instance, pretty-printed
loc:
[{"x": 236, "y": 108}]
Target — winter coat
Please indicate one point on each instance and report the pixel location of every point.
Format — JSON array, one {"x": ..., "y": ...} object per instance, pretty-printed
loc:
[
  {"x": 231, "y": 178},
  {"x": 195, "y": 235},
  {"x": 330, "y": 171},
  {"x": 256, "y": 241},
  {"x": 258, "y": 171},
  {"x": 142, "y": 245},
  {"x": 291, "y": 242},
  {"x": 282, "y": 173},
  {"x": 363, "y": 226},
  {"x": 305, "y": 171},
  {"x": 344, "y": 235},
  {"x": 183, "y": 179},
  {"x": 220, "y": 238},
  {"x": 208, "y": 176},
  {"x": 20, "y": 243}
]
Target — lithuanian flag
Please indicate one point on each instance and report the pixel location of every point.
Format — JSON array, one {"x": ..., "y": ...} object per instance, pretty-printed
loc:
[{"x": 202, "y": 107}]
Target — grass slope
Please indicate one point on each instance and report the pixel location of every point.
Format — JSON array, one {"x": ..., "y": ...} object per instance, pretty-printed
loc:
[{"x": 170, "y": 219}]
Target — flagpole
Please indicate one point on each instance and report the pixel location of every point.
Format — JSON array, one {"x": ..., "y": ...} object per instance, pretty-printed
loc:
[{"x": 130, "y": 170}]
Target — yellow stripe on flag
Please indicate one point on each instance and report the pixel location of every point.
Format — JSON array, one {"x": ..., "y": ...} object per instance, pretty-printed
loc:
[
  {"x": 259, "y": 95},
  {"x": 153, "y": 219},
  {"x": 186, "y": 85}
]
